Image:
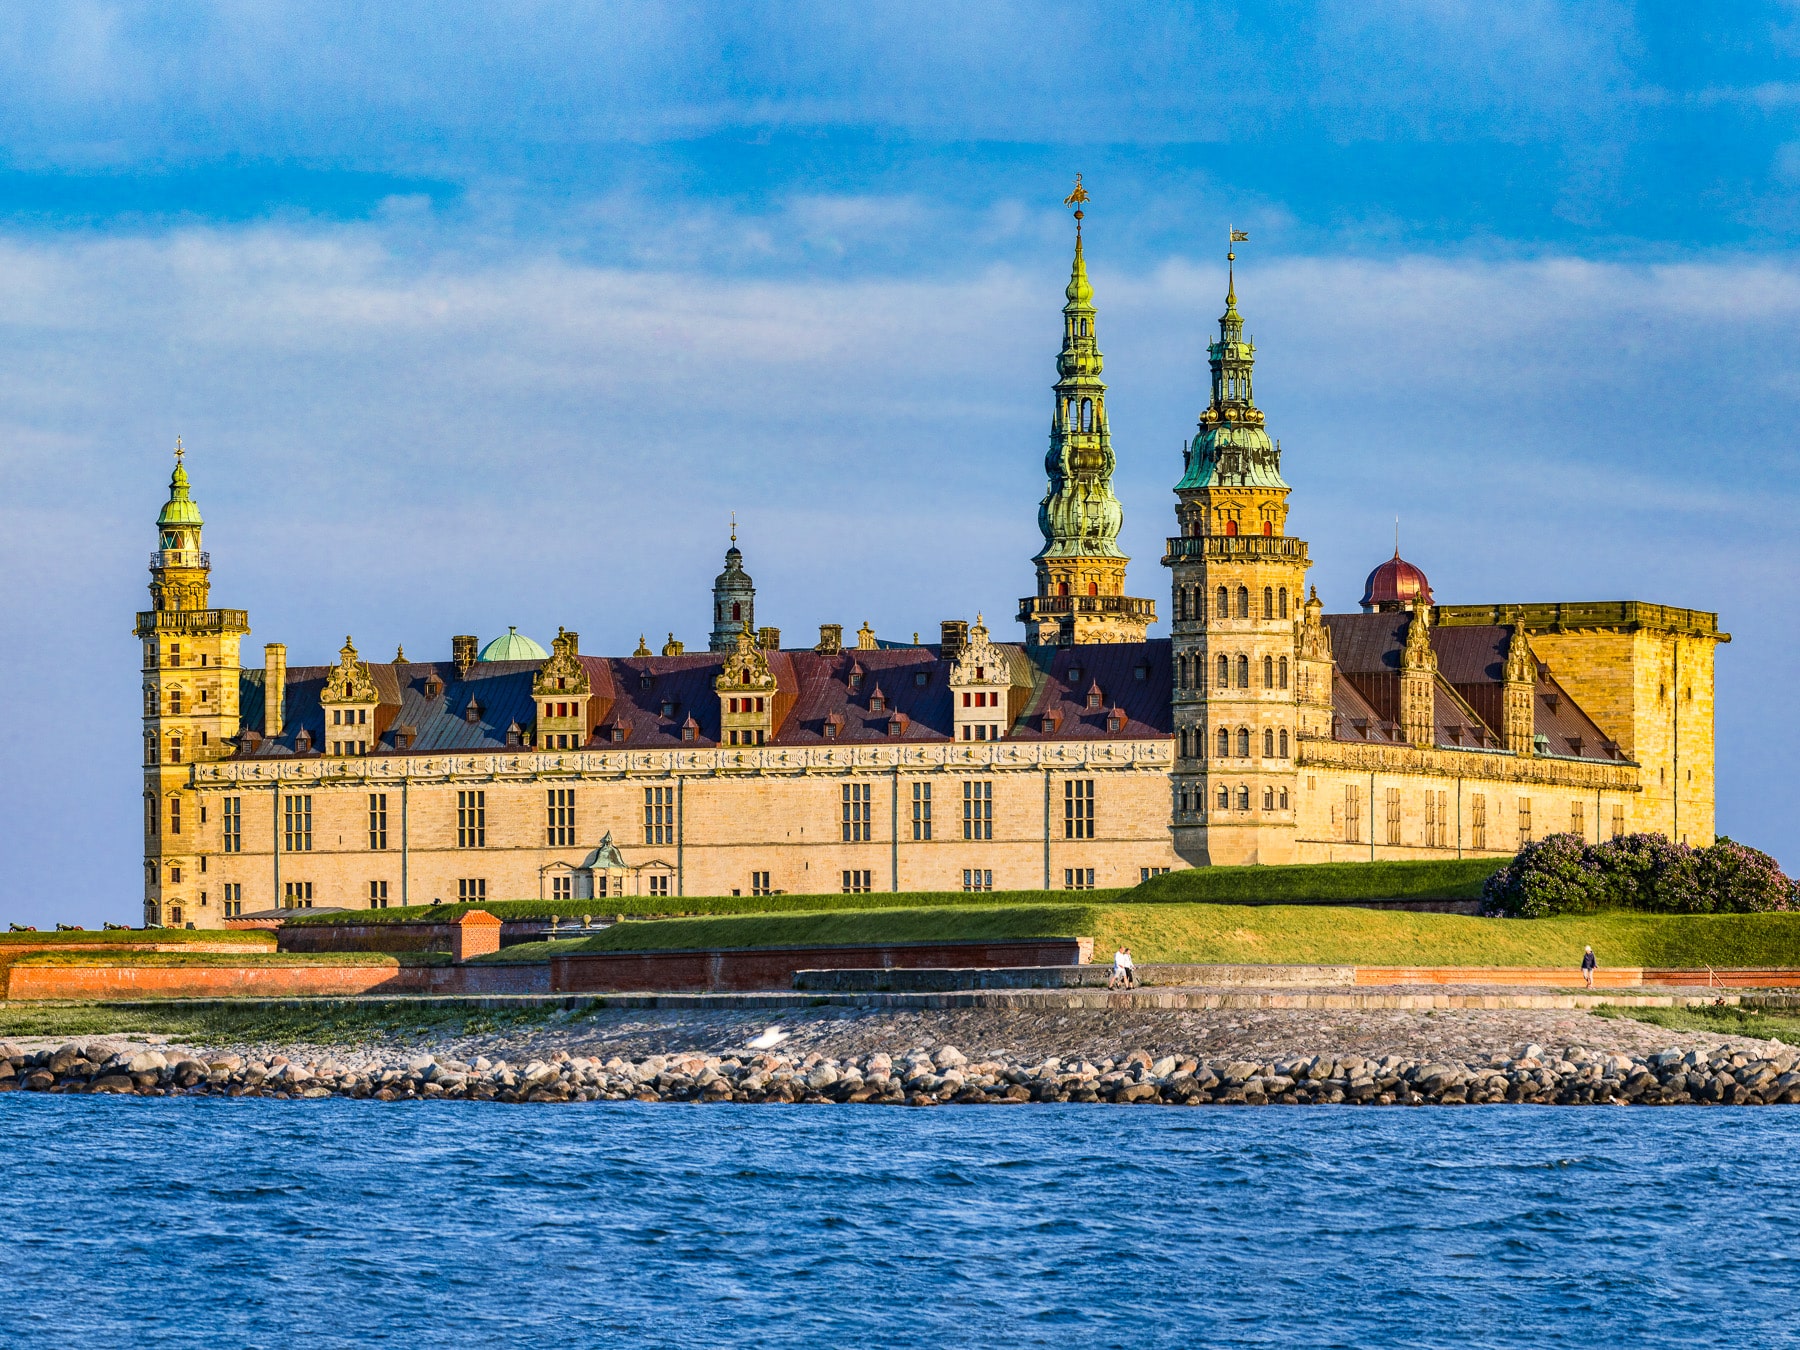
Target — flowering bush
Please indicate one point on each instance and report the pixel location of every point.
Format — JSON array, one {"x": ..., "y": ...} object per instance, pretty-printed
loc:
[{"x": 1561, "y": 875}]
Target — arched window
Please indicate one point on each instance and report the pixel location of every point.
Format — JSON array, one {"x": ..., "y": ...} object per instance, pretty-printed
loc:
[
  {"x": 1230, "y": 529},
  {"x": 1284, "y": 800},
  {"x": 1224, "y": 672},
  {"x": 1281, "y": 673},
  {"x": 1224, "y": 799},
  {"x": 1222, "y": 605},
  {"x": 1062, "y": 588},
  {"x": 1268, "y": 602},
  {"x": 1243, "y": 742},
  {"x": 1244, "y": 798},
  {"x": 1181, "y": 676},
  {"x": 1243, "y": 605},
  {"x": 1268, "y": 528},
  {"x": 1284, "y": 753},
  {"x": 1224, "y": 743},
  {"x": 1093, "y": 588},
  {"x": 737, "y": 611},
  {"x": 721, "y": 608},
  {"x": 1268, "y": 743},
  {"x": 1268, "y": 672},
  {"x": 1268, "y": 799},
  {"x": 1087, "y": 414},
  {"x": 1181, "y": 602},
  {"x": 1243, "y": 667},
  {"x": 1281, "y": 602}
]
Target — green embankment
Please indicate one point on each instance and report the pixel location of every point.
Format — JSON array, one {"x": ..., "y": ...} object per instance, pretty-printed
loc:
[
  {"x": 1725, "y": 1021},
  {"x": 830, "y": 928},
  {"x": 234, "y": 1021},
  {"x": 1248, "y": 934},
  {"x": 129, "y": 937},
  {"x": 683, "y": 906},
  {"x": 1459, "y": 879},
  {"x": 269, "y": 958}
]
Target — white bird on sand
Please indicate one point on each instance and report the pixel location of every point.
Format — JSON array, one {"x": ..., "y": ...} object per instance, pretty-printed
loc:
[{"x": 771, "y": 1038}]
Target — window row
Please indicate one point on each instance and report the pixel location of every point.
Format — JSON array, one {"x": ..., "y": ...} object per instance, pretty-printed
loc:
[
  {"x": 1191, "y": 742},
  {"x": 1227, "y": 798},
  {"x": 1437, "y": 825},
  {"x": 1190, "y": 672},
  {"x": 1229, "y": 604}
]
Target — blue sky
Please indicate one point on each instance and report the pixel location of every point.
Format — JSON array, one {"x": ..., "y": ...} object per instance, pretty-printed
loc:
[{"x": 476, "y": 315}]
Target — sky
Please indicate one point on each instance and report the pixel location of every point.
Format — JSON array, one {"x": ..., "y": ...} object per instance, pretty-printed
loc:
[{"x": 477, "y": 315}]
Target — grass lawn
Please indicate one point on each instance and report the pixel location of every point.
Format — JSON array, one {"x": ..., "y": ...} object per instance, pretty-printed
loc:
[
  {"x": 701, "y": 905},
  {"x": 1458, "y": 879},
  {"x": 321, "y": 1022},
  {"x": 831, "y": 928},
  {"x": 1272, "y": 934},
  {"x": 1726, "y": 1021},
  {"x": 126, "y": 937},
  {"x": 270, "y": 958}
]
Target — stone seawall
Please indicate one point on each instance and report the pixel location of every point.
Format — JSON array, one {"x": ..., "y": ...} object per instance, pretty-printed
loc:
[
  {"x": 1530, "y": 1074},
  {"x": 749, "y": 969}
]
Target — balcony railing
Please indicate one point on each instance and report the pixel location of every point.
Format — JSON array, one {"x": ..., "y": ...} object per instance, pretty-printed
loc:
[
  {"x": 1087, "y": 604},
  {"x": 1233, "y": 547},
  {"x": 181, "y": 557},
  {"x": 192, "y": 621}
]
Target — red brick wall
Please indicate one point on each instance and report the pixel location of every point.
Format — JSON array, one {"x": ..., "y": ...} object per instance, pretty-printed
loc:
[
  {"x": 774, "y": 967},
  {"x": 126, "y": 982}
]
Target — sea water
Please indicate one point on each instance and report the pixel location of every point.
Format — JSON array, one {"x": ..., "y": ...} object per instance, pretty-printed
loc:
[{"x": 218, "y": 1222}]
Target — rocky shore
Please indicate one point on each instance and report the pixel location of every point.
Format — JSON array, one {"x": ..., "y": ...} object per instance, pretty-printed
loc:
[{"x": 1529, "y": 1074}]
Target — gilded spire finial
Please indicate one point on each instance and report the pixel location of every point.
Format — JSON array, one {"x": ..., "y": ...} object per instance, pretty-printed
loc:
[
  {"x": 1075, "y": 199},
  {"x": 734, "y": 527},
  {"x": 1237, "y": 237},
  {"x": 179, "y": 452}
]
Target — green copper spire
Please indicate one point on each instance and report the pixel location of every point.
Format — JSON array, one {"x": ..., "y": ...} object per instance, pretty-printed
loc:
[
  {"x": 180, "y": 509},
  {"x": 1231, "y": 448},
  {"x": 1079, "y": 516}
]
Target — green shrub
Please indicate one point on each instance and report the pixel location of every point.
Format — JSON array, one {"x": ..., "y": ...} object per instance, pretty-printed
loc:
[{"x": 1561, "y": 875}]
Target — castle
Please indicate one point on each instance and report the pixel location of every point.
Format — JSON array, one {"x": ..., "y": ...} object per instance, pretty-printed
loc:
[{"x": 1262, "y": 730}]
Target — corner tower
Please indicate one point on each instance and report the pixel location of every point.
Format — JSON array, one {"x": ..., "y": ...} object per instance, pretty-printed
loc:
[
  {"x": 190, "y": 678},
  {"x": 1238, "y": 582},
  {"x": 1080, "y": 570}
]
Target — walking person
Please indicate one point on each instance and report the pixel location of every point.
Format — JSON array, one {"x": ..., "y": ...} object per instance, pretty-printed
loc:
[
  {"x": 1588, "y": 963},
  {"x": 1124, "y": 972}
]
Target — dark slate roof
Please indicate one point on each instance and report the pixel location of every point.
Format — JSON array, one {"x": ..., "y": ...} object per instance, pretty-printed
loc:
[
  {"x": 1468, "y": 702},
  {"x": 630, "y": 693}
]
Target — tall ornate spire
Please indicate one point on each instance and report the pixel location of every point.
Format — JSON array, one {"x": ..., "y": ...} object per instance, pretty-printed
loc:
[
  {"x": 178, "y": 569},
  {"x": 1080, "y": 570},
  {"x": 1231, "y": 448},
  {"x": 734, "y": 599}
]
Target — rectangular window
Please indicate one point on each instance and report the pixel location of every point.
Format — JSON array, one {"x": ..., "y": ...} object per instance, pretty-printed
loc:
[
  {"x": 1352, "y": 814},
  {"x": 563, "y": 887},
  {"x": 234, "y": 899},
  {"x": 297, "y": 823},
  {"x": 1078, "y": 808},
  {"x": 978, "y": 810},
  {"x": 1393, "y": 815},
  {"x": 378, "y": 820},
  {"x": 659, "y": 884},
  {"x": 559, "y": 819},
  {"x": 921, "y": 804},
  {"x": 659, "y": 815},
  {"x": 378, "y": 895},
  {"x": 1145, "y": 873},
  {"x": 471, "y": 889},
  {"x": 297, "y": 895},
  {"x": 857, "y": 882},
  {"x": 1524, "y": 821},
  {"x": 1578, "y": 820},
  {"x": 1431, "y": 820},
  {"x": 1478, "y": 820},
  {"x": 759, "y": 884},
  {"x": 1078, "y": 878},
  {"x": 471, "y": 820},
  {"x": 1618, "y": 822},
  {"x": 174, "y": 815},
  {"x": 856, "y": 813},
  {"x": 978, "y": 879},
  {"x": 233, "y": 824}
]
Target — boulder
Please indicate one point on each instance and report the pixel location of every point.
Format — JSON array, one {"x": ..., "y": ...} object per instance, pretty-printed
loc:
[
  {"x": 148, "y": 1061},
  {"x": 949, "y": 1057}
]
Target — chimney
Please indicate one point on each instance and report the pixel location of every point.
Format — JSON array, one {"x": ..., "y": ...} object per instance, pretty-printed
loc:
[
  {"x": 956, "y": 637},
  {"x": 831, "y": 639},
  {"x": 575, "y": 641},
  {"x": 769, "y": 639},
  {"x": 462, "y": 651},
  {"x": 274, "y": 689}
]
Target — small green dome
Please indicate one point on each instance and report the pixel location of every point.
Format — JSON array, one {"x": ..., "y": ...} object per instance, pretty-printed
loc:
[
  {"x": 513, "y": 646},
  {"x": 180, "y": 509}
]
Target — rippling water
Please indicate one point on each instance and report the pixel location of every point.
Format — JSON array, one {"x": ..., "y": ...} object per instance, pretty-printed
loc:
[{"x": 264, "y": 1223}]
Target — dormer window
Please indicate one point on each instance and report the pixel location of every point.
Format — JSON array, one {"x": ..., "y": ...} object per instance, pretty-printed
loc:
[
  {"x": 1094, "y": 696},
  {"x": 515, "y": 734},
  {"x": 1540, "y": 743},
  {"x": 877, "y": 701},
  {"x": 434, "y": 687},
  {"x": 404, "y": 736},
  {"x": 1115, "y": 720},
  {"x": 856, "y": 676},
  {"x": 1074, "y": 674},
  {"x": 472, "y": 713},
  {"x": 617, "y": 732},
  {"x": 644, "y": 680},
  {"x": 830, "y": 731},
  {"x": 921, "y": 678},
  {"x": 690, "y": 730},
  {"x": 669, "y": 709},
  {"x": 897, "y": 724},
  {"x": 1052, "y": 721},
  {"x": 303, "y": 743},
  {"x": 1141, "y": 671}
]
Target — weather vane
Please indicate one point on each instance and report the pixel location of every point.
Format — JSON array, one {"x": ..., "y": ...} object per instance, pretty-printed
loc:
[
  {"x": 1237, "y": 237},
  {"x": 1075, "y": 199},
  {"x": 179, "y": 452},
  {"x": 734, "y": 527}
]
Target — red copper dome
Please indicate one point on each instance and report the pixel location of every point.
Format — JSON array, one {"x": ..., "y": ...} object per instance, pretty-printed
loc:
[{"x": 1393, "y": 586}]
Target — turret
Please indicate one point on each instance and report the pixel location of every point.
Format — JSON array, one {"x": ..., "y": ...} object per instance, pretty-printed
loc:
[
  {"x": 1237, "y": 649},
  {"x": 1080, "y": 570},
  {"x": 734, "y": 600},
  {"x": 190, "y": 686},
  {"x": 1518, "y": 687},
  {"x": 1418, "y": 679}
]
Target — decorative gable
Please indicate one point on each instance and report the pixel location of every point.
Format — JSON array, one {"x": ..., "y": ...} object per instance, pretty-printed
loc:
[
  {"x": 980, "y": 683},
  {"x": 746, "y": 690},
  {"x": 348, "y": 702},
  {"x": 562, "y": 689}
]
